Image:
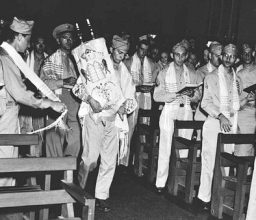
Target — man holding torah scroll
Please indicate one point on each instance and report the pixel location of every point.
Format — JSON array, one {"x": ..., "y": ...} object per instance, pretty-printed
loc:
[
  {"x": 177, "y": 106},
  {"x": 12, "y": 89},
  {"x": 107, "y": 92},
  {"x": 221, "y": 102},
  {"x": 59, "y": 72}
]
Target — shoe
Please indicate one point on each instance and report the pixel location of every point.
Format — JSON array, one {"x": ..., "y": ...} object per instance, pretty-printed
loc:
[
  {"x": 203, "y": 206},
  {"x": 102, "y": 205},
  {"x": 160, "y": 190}
]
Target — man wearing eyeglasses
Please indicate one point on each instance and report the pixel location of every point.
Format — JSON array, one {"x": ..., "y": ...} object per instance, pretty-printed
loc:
[
  {"x": 60, "y": 72},
  {"x": 213, "y": 63},
  {"x": 221, "y": 102}
]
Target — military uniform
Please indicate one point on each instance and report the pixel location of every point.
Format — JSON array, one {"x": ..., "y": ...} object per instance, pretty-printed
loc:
[
  {"x": 58, "y": 143},
  {"x": 173, "y": 110},
  {"x": 247, "y": 113},
  {"x": 211, "y": 104}
]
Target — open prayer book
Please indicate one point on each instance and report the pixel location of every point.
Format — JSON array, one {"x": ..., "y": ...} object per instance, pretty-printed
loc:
[
  {"x": 189, "y": 86},
  {"x": 148, "y": 84},
  {"x": 251, "y": 88},
  {"x": 68, "y": 86}
]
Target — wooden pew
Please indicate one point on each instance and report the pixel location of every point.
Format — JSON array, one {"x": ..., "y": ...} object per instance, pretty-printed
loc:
[
  {"x": 142, "y": 142},
  {"x": 184, "y": 173},
  {"x": 153, "y": 156},
  {"x": 229, "y": 191},
  {"x": 35, "y": 195}
]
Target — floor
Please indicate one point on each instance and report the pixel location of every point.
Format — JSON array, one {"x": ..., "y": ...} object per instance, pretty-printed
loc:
[{"x": 132, "y": 198}]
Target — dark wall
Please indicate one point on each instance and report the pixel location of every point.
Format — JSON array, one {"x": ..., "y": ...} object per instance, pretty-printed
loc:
[{"x": 173, "y": 18}]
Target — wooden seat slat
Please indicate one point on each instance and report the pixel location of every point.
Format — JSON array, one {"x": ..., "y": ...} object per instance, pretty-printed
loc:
[
  {"x": 21, "y": 196},
  {"x": 12, "y": 165},
  {"x": 19, "y": 199},
  {"x": 12, "y": 189}
]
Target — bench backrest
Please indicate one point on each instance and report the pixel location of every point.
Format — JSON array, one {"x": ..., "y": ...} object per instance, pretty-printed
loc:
[
  {"x": 236, "y": 138},
  {"x": 188, "y": 124},
  {"x": 19, "y": 139}
]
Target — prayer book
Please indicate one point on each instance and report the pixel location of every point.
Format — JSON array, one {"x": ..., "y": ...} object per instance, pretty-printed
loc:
[
  {"x": 189, "y": 86},
  {"x": 68, "y": 86},
  {"x": 251, "y": 88},
  {"x": 148, "y": 84}
]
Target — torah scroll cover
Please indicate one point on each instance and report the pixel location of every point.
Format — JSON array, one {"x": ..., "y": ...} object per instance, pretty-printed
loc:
[{"x": 98, "y": 76}]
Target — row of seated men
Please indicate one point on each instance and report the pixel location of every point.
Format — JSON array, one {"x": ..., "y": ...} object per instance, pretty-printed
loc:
[{"x": 228, "y": 107}]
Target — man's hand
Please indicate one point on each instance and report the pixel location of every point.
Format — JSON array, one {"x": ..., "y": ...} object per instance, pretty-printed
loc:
[
  {"x": 144, "y": 88},
  {"x": 172, "y": 96},
  {"x": 190, "y": 93},
  {"x": 251, "y": 97},
  {"x": 58, "y": 106},
  {"x": 121, "y": 111},
  {"x": 70, "y": 81},
  {"x": 95, "y": 105},
  {"x": 225, "y": 124}
]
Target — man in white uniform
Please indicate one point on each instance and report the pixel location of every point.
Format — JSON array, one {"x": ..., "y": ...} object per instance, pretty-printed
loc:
[
  {"x": 143, "y": 71},
  {"x": 177, "y": 106},
  {"x": 247, "y": 113},
  {"x": 213, "y": 63},
  {"x": 221, "y": 102},
  {"x": 101, "y": 137}
]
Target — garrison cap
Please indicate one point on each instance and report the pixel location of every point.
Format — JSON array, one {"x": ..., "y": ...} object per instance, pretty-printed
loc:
[
  {"x": 61, "y": 29},
  {"x": 22, "y": 26}
]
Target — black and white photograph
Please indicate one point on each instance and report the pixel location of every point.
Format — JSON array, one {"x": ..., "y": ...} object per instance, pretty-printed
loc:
[{"x": 127, "y": 109}]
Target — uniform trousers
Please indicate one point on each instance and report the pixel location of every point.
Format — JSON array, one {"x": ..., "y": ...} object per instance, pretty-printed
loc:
[
  {"x": 61, "y": 143},
  {"x": 211, "y": 129},
  {"x": 99, "y": 139},
  {"x": 166, "y": 125},
  {"x": 247, "y": 125}
]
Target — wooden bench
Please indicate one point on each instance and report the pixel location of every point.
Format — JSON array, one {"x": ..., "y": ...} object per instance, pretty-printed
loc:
[
  {"x": 41, "y": 195},
  {"x": 142, "y": 142},
  {"x": 153, "y": 156},
  {"x": 229, "y": 190},
  {"x": 184, "y": 173}
]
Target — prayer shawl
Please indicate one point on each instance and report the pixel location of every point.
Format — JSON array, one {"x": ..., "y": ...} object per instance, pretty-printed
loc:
[
  {"x": 128, "y": 89},
  {"x": 209, "y": 67},
  {"x": 35, "y": 80},
  {"x": 161, "y": 65},
  {"x": 54, "y": 67},
  {"x": 137, "y": 71},
  {"x": 97, "y": 79},
  {"x": 224, "y": 101},
  {"x": 143, "y": 71},
  {"x": 171, "y": 85},
  {"x": 27, "y": 120},
  {"x": 31, "y": 59}
]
